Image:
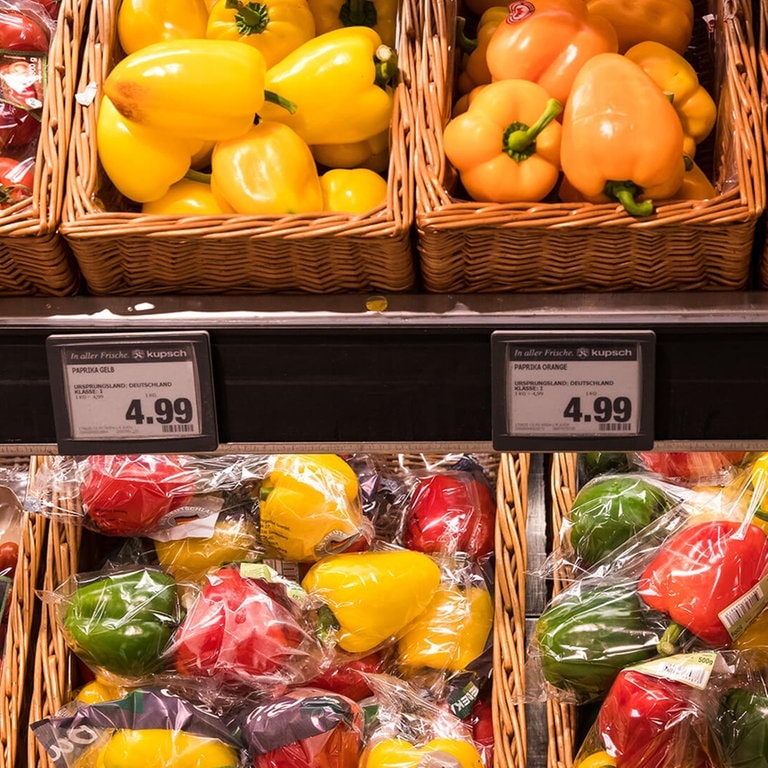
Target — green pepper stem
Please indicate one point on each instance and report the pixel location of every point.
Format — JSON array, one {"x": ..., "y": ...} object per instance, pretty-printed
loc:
[
  {"x": 688, "y": 163},
  {"x": 264, "y": 492},
  {"x": 625, "y": 193},
  {"x": 464, "y": 43},
  {"x": 668, "y": 643},
  {"x": 358, "y": 13},
  {"x": 519, "y": 140},
  {"x": 250, "y": 18},
  {"x": 193, "y": 175},
  {"x": 385, "y": 60},
  {"x": 281, "y": 101}
]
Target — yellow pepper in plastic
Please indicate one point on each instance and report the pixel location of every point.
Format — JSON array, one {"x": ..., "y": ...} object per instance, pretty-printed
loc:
[
  {"x": 352, "y": 190},
  {"x": 451, "y": 632},
  {"x": 474, "y": 70},
  {"x": 399, "y": 753},
  {"x": 380, "y": 15},
  {"x": 267, "y": 170},
  {"x": 143, "y": 22},
  {"x": 310, "y": 507},
  {"x": 371, "y": 153},
  {"x": 187, "y": 198},
  {"x": 597, "y": 760},
  {"x": 275, "y": 27},
  {"x": 97, "y": 691},
  {"x": 675, "y": 76},
  {"x": 334, "y": 82},
  {"x": 161, "y": 748},
  {"x": 141, "y": 162},
  {"x": 201, "y": 89},
  {"x": 664, "y": 21},
  {"x": 373, "y": 595}
]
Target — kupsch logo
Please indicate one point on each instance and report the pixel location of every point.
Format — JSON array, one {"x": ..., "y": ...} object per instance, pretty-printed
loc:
[{"x": 519, "y": 10}]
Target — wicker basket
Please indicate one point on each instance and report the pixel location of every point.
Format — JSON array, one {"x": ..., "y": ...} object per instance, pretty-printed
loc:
[
  {"x": 762, "y": 62},
  {"x": 121, "y": 251},
  {"x": 484, "y": 247},
  {"x": 34, "y": 258},
  {"x": 22, "y": 622}
]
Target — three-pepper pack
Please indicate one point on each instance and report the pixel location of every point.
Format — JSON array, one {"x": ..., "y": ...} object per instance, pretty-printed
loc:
[{"x": 618, "y": 117}]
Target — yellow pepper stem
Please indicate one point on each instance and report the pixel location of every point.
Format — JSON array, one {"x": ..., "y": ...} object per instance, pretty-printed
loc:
[
  {"x": 281, "y": 101},
  {"x": 519, "y": 140},
  {"x": 625, "y": 192},
  {"x": 250, "y": 18},
  {"x": 386, "y": 65},
  {"x": 193, "y": 175},
  {"x": 358, "y": 13},
  {"x": 465, "y": 44}
]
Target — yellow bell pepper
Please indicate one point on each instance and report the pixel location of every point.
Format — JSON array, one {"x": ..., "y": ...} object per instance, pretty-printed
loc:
[
  {"x": 451, "y": 632},
  {"x": 310, "y": 506},
  {"x": 380, "y": 15},
  {"x": 97, "y": 691},
  {"x": 474, "y": 70},
  {"x": 160, "y": 748},
  {"x": 622, "y": 139},
  {"x": 275, "y": 27},
  {"x": 333, "y": 81},
  {"x": 663, "y": 21},
  {"x": 754, "y": 639},
  {"x": 267, "y": 170},
  {"x": 352, "y": 190},
  {"x": 399, "y": 753},
  {"x": 675, "y": 76},
  {"x": 201, "y": 89},
  {"x": 373, "y": 595},
  {"x": 188, "y": 560},
  {"x": 597, "y": 760},
  {"x": 506, "y": 146},
  {"x": 143, "y": 22},
  {"x": 141, "y": 162},
  {"x": 187, "y": 197},
  {"x": 371, "y": 153}
]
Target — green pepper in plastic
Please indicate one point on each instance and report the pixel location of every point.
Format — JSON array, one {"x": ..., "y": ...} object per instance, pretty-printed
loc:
[
  {"x": 743, "y": 729},
  {"x": 585, "y": 637},
  {"x": 123, "y": 621}
]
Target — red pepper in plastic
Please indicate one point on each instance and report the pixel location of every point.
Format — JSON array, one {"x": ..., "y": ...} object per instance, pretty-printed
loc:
[
  {"x": 703, "y": 569},
  {"x": 21, "y": 30}
]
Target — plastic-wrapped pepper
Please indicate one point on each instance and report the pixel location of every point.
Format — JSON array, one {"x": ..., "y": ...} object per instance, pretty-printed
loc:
[
  {"x": 123, "y": 622},
  {"x": 742, "y": 726},
  {"x": 597, "y": 760},
  {"x": 399, "y": 753},
  {"x": 380, "y": 15}
]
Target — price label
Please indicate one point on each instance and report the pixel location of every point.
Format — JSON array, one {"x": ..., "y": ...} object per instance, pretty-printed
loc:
[
  {"x": 132, "y": 392},
  {"x": 563, "y": 391}
]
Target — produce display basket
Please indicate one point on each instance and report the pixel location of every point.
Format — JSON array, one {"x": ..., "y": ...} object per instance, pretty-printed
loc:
[
  {"x": 464, "y": 246},
  {"x": 34, "y": 258},
  {"x": 121, "y": 251},
  {"x": 762, "y": 62},
  {"x": 22, "y": 620}
]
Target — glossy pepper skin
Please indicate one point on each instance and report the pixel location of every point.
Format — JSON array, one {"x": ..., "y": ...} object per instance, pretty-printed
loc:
[
  {"x": 161, "y": 748},
  {"x": 268, "y": 169},
  {"x": 677, "y": 78},
  {"x": 696, "y": 186},
  {"x": 622, "y": 139},
  {"x": 143, "y": 22},
  {"x": 400, "y": 753},
  {"x": 506, "y": 146},
  {"x": 547, "y": 42},
  {"x": 332, "y": 80},
  {"x": 373, "y": 596},
  {"x": 352, "y": 190},
  {"x": 379, "y": 15},
  {"x": 187, "y": 197},
  {"x": 742, "y": 725},
  {"x": 585, "y": 638},
  {"x": 664, "y": 21},
  {"x": 703, "y": 569},
  {"x": 198, "y": 89},
  {"x": 275, "y": 27},
  {"x": 371, "y": 153},
  {"x": 123, "y": 622},
  {"x": 474, "y": 68},
  {"x": 597, "y": 760}
]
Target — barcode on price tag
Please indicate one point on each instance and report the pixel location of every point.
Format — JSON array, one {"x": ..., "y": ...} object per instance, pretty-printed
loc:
[
  {"x": 132, "y": 392},
  {"x": 573, "y": 391}
]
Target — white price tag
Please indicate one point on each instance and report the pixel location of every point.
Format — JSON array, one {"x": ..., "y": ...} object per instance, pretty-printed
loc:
[{"x": 139, "y": 389}]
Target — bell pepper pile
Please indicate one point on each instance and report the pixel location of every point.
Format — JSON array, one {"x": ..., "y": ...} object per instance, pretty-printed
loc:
[
  {"x": 583, "y": 102},
  {"x": 281, "y": 611},
  {"x": 249, "y": 107}
]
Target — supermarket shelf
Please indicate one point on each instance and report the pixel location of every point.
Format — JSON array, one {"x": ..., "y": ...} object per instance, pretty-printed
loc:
[{"x": 402, "y": 372}]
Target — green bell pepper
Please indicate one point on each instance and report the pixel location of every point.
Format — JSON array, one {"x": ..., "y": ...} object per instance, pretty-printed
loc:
[
  {"x": 585, "y": 637},
  {"x": 123, "y": 622},
  {"x": 743, "y": 729}
]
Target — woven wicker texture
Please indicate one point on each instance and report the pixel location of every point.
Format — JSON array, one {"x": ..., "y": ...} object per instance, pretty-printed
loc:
[
  {"x": 687, "y": 245},
  {"x": 762, "y": 61},
  {"x": 22, "y": 614},
  {"x": 121, "y": 251},
  {"x": 561, "y": 718},
  {"x": 34, "y": 258}
]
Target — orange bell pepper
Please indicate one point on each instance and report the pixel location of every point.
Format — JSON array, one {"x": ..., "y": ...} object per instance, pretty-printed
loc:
[
  {"x": 547, "y": 43},
  {"x": 664, "y": 21},
  {"x": 474, "y": 70},
  {"x": 695, "y": 186},
  {"x": 506, "y": 146},
  {"x": 622, "y": 139}
]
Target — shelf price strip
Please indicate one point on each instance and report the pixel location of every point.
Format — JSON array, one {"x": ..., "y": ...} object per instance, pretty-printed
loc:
[
  {"x": 148, "y": 392},
  {"x": 564, "y": 390}
]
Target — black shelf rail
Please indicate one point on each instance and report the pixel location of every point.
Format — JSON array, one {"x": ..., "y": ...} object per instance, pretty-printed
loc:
[{"x": 400, "y": 372}]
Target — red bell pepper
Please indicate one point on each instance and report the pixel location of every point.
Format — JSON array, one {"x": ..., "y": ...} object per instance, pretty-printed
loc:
[{"x": 702, "y": 570}]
